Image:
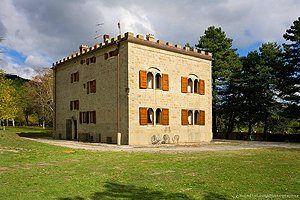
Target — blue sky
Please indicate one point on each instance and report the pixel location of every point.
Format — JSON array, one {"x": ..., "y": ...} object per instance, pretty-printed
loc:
[{"x": 39, "y": 32}]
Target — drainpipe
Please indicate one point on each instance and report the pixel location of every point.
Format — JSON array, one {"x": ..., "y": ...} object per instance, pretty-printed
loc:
[{"x": 118, "y": 77}]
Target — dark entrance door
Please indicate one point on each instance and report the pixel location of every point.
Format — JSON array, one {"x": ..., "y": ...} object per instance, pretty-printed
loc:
[
  {"x": 75, "y": 129},
  {"x": 68, "y": 129}
]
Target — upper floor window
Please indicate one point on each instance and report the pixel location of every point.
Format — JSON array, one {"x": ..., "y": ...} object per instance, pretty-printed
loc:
[
  {"x": 75, "y": 77},
  {"x": 192, "y": 85},
  {"x": 149, "y": 80},
  {"x": 154, "y": 79},
  {"x": 158, "y": 81},
  {"x": 91, "y": 87}
]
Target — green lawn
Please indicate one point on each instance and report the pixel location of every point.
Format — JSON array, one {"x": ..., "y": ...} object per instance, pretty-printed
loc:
[{"x": 32, "y": 170}]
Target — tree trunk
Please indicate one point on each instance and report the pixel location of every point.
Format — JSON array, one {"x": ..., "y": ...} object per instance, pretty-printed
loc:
[
  {"x": 7, "y": 122},
  {"x": 26, "y": 120},
  {"x": 43, "y": 124},
  {"x": 266, "y": 125},
  {"x": 13, "y": 122},
  {"x": 230, "y": 125},
  {"x": 214, "y": 108},
  {"x": 249, "y": 128}
]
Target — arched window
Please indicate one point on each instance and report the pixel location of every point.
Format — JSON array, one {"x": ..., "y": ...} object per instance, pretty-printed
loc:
[
  {"x": 149, "y": 80},
  {"x": 190, "y": 117},
  {"x": 158, "y": 116},
  {"x": 190, "y": 85},
  {"x": 197, "y": 118},
  {"x": 150, "y": 116},
  {"x": 158, "y": 81},
  {"x": 196, "y": 86}
]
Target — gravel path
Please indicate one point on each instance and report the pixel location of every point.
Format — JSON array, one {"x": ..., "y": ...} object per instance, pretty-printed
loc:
[{"x": 215, "y": 145}]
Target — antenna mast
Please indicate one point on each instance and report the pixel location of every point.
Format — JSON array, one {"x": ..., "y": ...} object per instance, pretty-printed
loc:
[
  {"x": 119, "y": 27},
  {"x": 97, "y": 31}
]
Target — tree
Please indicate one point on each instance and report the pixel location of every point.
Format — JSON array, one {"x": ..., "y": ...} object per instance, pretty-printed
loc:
[
  {"x": 40, "y": 94},
  {"x": 225, "y": 63},
  {"x": 8, "y": 102},
  {"x": 258, "y": 74},
  {"x": 289, "y": 76}
]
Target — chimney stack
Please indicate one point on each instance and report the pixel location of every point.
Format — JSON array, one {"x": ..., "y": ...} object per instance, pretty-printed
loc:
[
  {"x": 82, "y": 48},
  {"x": 105, "y": 37}
]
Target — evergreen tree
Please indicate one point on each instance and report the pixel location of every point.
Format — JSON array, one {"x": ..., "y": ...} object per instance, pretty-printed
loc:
[
  {"x": 289, "y": 76},
  {"x": 225, "y": 62}
]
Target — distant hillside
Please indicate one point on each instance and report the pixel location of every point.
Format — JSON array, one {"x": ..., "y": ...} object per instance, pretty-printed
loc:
[{"x": 16, "y": 78}]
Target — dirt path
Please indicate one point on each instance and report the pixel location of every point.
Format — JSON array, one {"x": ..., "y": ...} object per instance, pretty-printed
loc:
[{"x": 215, "y": 145}]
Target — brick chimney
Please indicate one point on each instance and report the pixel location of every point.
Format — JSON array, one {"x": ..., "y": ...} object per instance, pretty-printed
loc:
[
  {"x": 105, "y": 37},
  {"x": 82, "y": 48}
]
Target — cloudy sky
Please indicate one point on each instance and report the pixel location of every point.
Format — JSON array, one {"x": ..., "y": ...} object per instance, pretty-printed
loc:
[{"x": 39, "y": 32}]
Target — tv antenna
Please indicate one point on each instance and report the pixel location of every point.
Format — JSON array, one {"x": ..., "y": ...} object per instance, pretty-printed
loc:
[
  {"x": 97, "y": 31},
  {"x": 119, "y": 27}
]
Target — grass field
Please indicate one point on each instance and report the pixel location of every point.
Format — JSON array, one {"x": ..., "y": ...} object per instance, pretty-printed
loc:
[{"x": 32, "y": 170}]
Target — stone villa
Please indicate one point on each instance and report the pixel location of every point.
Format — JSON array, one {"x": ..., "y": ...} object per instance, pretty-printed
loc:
[{"x": 134, "y": 90}]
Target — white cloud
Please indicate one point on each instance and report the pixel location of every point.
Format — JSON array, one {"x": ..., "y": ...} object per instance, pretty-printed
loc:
[{"x": 45, "y": 31}]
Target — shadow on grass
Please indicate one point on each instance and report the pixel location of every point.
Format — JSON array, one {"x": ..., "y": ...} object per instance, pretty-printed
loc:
[
  {"x": 35, "y": 134},
  {"x": 120, "y": 191}
]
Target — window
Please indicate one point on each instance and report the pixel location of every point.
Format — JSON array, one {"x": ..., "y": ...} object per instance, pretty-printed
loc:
[
  {"x": 75, "y": 77},
  {"x": 153, "y": 79},
  {"x": 147, "y": 116},
  {"x": 93, "y": 59},
  {"x": 190, "y": 86},
  {"x": 106, "y": 56},
  {"x": 149, "y": 80},
  {"x": 150, "y": 116},
  {"x": 158, "y": 116},
  {"x": 88, "y": 61},
  {"x": 197, "y": 118},
  {"x": 93, "y": 117},
  {"x": 111, "y": 54},
  {"x": 74, "y": 105},
  {"x": 190, "y": 117},
  {"x": 196, "y": 86},
  {"x": 158, "y": 81},
  {"x": 87, "y": 117},
  {"x": 91, "y": 87}
]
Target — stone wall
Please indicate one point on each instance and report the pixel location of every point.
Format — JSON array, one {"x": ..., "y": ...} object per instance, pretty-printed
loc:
[{"x": 176, "y": 65}]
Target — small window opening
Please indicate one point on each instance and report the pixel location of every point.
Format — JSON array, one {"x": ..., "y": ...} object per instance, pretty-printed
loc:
[
  {"x": 149, "y": 80},
  {"x": 158, "y": 116},
  {"x": 190, "y": 117},
  {"x": 158, "y": 81},
  {"x": 150, "y": 116},
  {"x": 190, "y": 85}
]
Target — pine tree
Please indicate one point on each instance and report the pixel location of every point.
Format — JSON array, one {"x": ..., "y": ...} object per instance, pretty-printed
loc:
[
  {"x": 289, "y": 76},
  {"x": 225, "y": 63}
]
